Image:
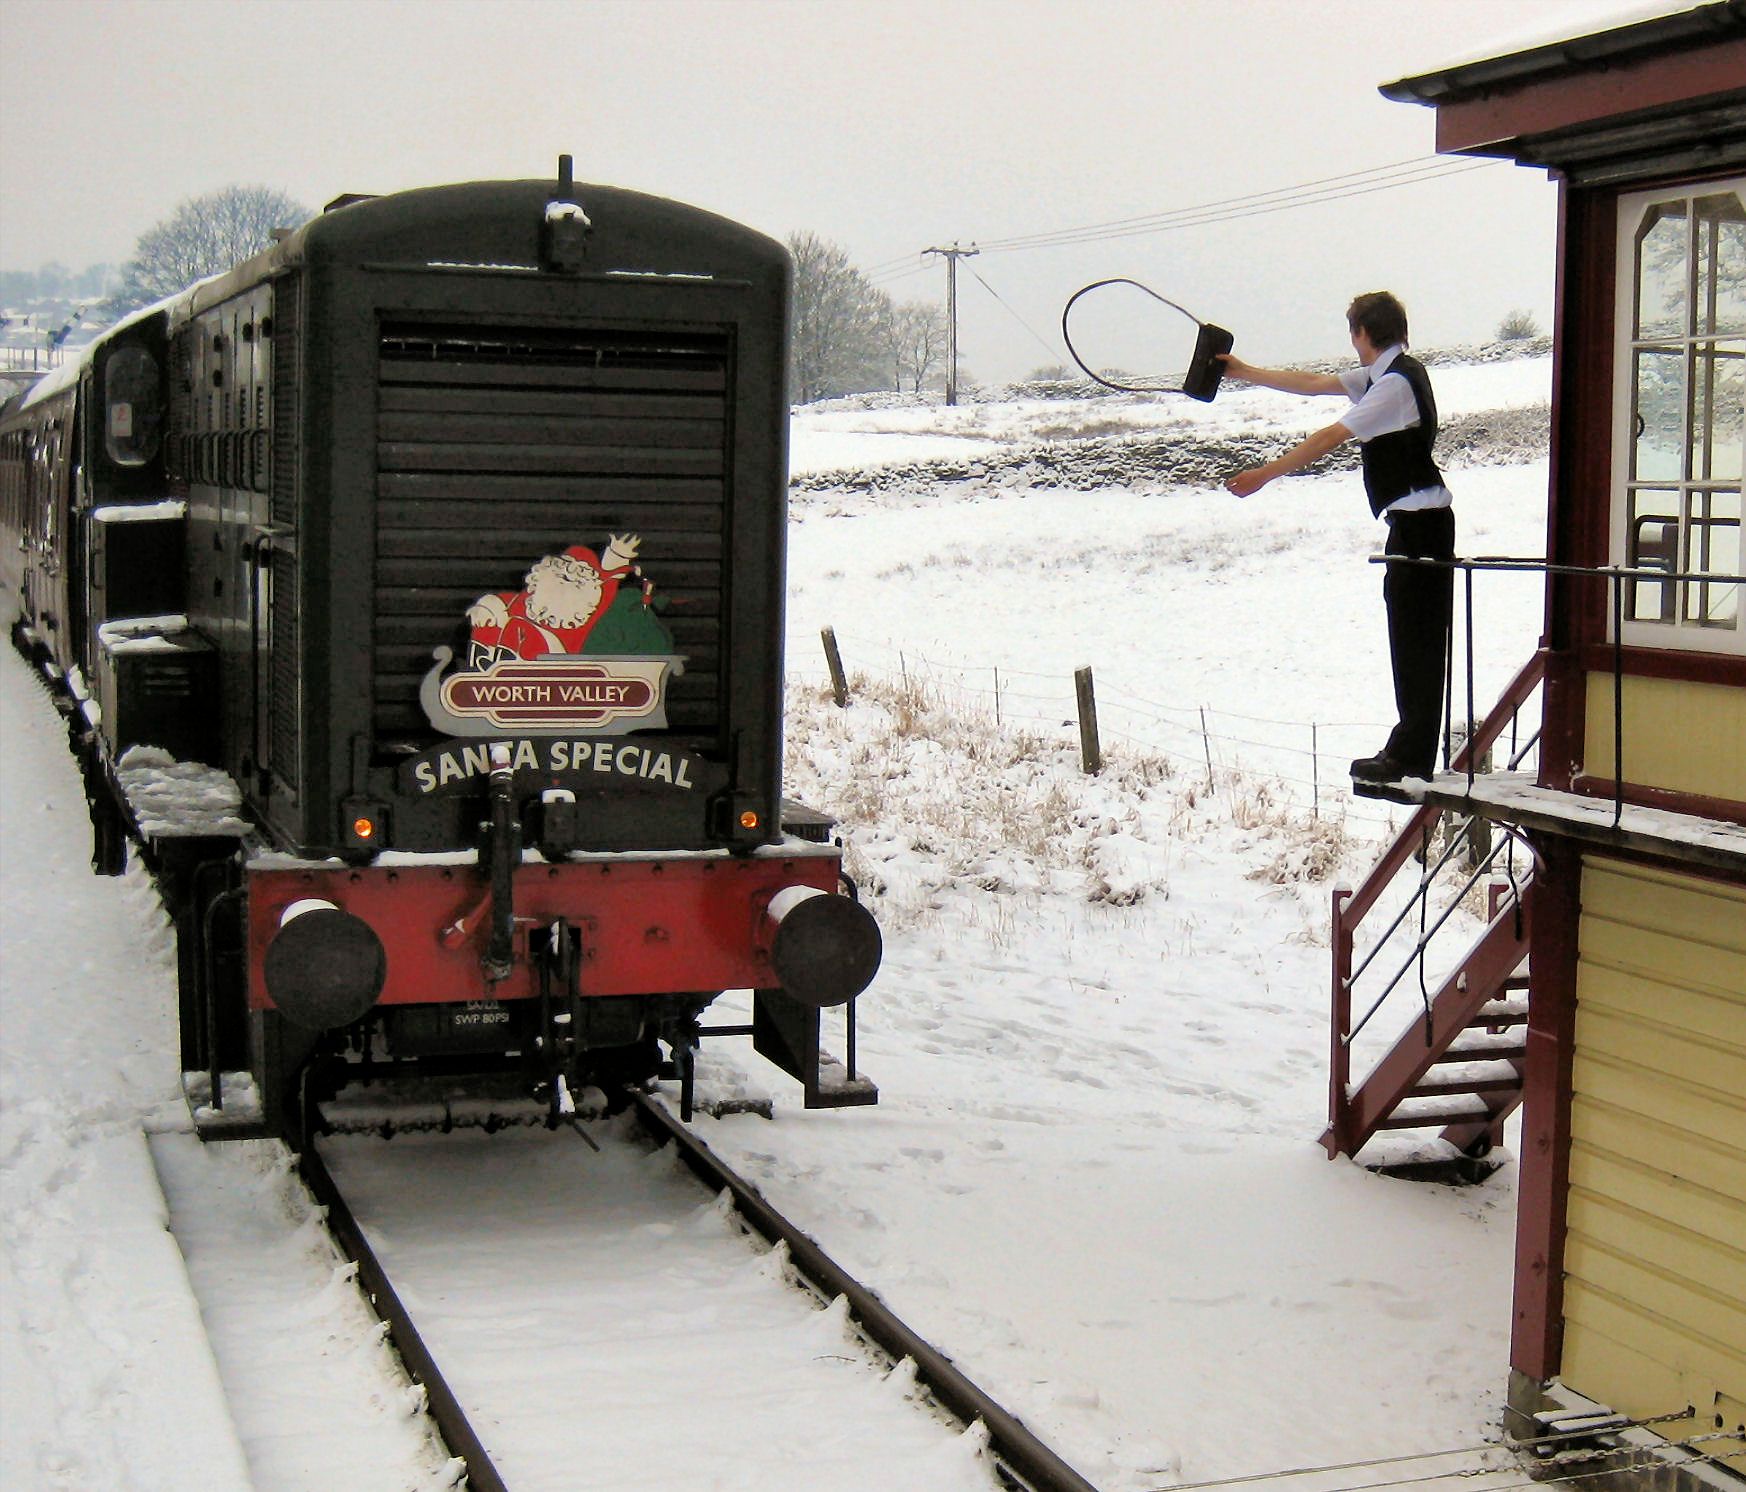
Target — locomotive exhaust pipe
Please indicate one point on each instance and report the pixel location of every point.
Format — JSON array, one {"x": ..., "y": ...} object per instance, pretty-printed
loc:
[
  {"x": 325, "y": 967},
  {"x": 826, "y": 948}
]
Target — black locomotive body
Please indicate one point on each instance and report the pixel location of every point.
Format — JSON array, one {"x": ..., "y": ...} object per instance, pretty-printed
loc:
[{"x": 448, "y": 535}]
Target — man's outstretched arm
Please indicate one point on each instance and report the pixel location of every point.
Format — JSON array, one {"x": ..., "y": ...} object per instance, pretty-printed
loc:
[
  {"x": 1311, "y": 448},
  {"x": 1286, "y": 380}
]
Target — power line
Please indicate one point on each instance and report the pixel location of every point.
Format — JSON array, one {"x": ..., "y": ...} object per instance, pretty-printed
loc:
[
  {"x": 1117, "y": 226},
  {"x": 1225, "y": 209},
  {"x": 1048, "y": 347},
  {"x": 1252, "y": 212},
  {"x": 1304, "y": 194}
]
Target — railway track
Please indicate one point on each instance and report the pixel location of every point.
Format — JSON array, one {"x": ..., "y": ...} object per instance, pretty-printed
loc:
[{"x": 481, "y": 1429}]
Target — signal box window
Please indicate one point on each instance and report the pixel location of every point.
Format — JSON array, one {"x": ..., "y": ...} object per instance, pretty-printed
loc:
[
  {"x": 1680, "y": 447},
  {"x": 133, "y": 411}
]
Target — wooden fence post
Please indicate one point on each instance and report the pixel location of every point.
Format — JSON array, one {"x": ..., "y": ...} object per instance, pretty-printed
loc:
[
  {"x": 834, "y": 661},
  {"x": 1090, "y": 753}
]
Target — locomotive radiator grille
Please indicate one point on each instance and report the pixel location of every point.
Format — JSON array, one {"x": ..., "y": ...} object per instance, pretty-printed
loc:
[
  {"x": 494, "y": 448},
  {"x": 283, "y": 678}
]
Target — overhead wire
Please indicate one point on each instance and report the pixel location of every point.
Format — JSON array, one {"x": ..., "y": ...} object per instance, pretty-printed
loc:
[
  {"x": 1224, "y": 209},
  {"x": 1047, "y": 346},
  {"x": 1415, "y": 163},
  {"x": 1232, "y": 208}
]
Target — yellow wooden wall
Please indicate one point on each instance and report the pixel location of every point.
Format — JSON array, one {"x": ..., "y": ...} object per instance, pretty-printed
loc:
[
  {"x": 1684, "y": 737},
  {"x": 1655, "y": 1259}
]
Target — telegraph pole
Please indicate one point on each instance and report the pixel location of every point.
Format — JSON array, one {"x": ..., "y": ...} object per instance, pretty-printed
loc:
[{"x": 952, "y": 256}]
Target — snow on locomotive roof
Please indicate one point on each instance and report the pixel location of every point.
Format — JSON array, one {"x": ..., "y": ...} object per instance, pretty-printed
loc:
[
  {"x": 55, "y": 380},
  {"x": 65, "y": 376}
]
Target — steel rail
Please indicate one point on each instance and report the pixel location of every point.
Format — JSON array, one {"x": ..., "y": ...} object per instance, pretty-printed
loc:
[
  {"x": 445, "y": 1409},
  {"x": 1021, "y": 1455}
]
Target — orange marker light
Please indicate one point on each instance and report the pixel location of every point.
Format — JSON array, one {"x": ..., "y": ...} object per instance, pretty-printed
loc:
[
  {"x": 363, "y": 828},
  {"x": 748, "y": 820}
]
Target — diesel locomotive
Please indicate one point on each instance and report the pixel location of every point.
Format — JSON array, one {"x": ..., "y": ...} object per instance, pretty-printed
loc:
[{"x": 413, "y": 593}]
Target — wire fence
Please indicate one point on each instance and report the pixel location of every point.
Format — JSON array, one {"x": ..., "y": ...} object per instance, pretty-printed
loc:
[{"x": 1306, "y": 761}]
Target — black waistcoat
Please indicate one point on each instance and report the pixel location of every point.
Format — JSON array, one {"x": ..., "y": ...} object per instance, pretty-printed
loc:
[{"x": 1400, "y": 462}]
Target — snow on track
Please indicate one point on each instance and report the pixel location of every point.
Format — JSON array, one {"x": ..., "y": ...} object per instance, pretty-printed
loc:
[
  {"x": 318, "y": 1399},
  {"x": 607, "y": 1326}
]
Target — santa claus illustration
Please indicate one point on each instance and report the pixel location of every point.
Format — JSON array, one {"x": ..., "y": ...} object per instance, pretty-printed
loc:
[{"x": 564, "y": 596}]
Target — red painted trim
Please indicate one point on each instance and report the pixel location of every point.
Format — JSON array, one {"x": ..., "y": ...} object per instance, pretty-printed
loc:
[
  {"x": 1561, "y": 729},
  {"x": 1727, "y": 810},
  {"x": 1579, "y": 515},
  {"x": 1583, "y": 480},
  {"x": 1337, "y": 1141},
  {"x": 1495, "y": 122},
  {"x": 1685, "y": 869},
  {"x": 1542, "y": 1192},
  {"x": 1728, "y": 669},
  {"x": 655, "y": 926}
]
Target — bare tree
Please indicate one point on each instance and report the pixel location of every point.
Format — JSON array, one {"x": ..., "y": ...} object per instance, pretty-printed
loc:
[
  {"x": 204, "y": 236},
  {"x": 914, "y": 337},
  {"x": 835, "y": 346}
]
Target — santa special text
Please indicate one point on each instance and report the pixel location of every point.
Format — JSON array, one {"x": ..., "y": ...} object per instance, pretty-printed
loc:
[{"x": 460, "y": 761}]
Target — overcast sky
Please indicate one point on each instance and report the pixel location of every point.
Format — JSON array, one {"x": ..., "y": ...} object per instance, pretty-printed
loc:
[{"x": 887, "y": 126}]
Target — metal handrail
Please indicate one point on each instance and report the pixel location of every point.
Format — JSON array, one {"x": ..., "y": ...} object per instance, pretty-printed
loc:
[
  {"x": 1616, "y": 576},
  {"x": 1351, "y": 907},
  {"x": 1424, "y": 938},
  {"x": 1516, "y": 693}
]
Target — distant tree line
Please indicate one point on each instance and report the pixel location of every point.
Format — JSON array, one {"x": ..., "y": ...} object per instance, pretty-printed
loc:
[
  {"x": 849, "y": 336},
  {"x": 54, "y": 281}
]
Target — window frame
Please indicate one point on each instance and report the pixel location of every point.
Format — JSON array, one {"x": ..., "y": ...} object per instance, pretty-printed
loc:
[{"x": 1675, "y": 632}]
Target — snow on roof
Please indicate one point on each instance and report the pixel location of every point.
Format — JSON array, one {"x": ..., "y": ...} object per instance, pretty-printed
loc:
[
  {"x": 55, "y": 380},
  {"x": 1551, "y": 29}
]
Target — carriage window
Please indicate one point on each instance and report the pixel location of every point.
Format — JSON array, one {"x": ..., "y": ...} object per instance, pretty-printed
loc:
[
  {"x": 1681, "y": 449},
  {"x": 134, "y": 407}
]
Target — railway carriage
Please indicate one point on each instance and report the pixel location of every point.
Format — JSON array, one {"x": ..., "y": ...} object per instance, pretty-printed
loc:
[{"x": 414, "y": 594}]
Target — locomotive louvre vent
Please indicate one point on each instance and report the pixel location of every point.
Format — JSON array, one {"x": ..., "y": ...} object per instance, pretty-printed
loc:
[
  {"x": 496, "y": 447},
  {"x": 285, "y": 674}
]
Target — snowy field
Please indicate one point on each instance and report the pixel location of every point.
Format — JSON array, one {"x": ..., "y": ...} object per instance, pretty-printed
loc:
[{"x": 1100, "y": 1032}]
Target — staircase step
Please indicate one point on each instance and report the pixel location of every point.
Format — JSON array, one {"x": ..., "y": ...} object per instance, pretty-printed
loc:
[
  {"x": 1502, "y": 1049},
  {"x": 1439, "y": 1087},
  {"x": 1490, "y": 1016},
  {"x": 1430, "y": 1118}
]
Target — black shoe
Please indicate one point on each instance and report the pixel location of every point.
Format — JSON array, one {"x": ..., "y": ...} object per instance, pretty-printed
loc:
[{"x": 1383, "y": 768}]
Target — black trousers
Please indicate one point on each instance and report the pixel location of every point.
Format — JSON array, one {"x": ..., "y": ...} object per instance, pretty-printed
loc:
[{"x": 1420, "y": 600}]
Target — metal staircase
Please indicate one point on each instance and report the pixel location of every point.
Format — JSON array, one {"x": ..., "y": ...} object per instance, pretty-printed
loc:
[{"x": 1457, "y": 1064}]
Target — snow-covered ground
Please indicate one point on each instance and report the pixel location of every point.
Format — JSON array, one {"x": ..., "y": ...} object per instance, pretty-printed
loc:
[{"x": 1100, "y": 1032}]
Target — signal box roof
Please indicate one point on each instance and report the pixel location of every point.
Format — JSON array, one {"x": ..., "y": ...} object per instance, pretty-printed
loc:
[{"x": 1667, "y": 80}]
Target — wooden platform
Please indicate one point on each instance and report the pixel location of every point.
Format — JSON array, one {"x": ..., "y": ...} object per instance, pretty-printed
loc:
[{"x": 1513, "y": 798}]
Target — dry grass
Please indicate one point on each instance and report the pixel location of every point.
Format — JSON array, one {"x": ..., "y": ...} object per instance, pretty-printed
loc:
[{"x": 934, "y": 794}]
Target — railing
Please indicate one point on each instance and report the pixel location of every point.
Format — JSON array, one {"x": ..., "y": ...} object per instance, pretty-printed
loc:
[
  {"x": 1729, "y": 589},
  {"x": 1350, "y": 907},
  {"x": 1721, "y": 594}
]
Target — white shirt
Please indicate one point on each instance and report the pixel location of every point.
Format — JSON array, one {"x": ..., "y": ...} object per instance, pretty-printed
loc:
[{"x": 1380, "y": 405}]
